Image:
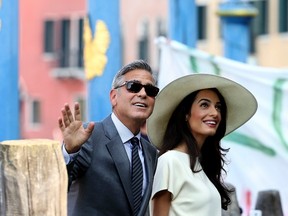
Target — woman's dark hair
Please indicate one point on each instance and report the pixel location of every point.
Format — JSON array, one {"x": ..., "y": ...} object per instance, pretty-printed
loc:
[{"x": 211, "y": 155}]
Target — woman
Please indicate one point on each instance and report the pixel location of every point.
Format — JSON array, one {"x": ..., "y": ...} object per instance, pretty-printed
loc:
[{"x": 191, "y": 116}]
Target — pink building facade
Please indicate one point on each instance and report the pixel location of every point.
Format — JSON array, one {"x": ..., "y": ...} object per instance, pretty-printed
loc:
[{"x": 50, "y": 63}]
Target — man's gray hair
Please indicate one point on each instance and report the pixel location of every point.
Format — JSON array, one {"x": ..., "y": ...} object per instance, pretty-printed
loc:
[{"x": 137, "y": 64}]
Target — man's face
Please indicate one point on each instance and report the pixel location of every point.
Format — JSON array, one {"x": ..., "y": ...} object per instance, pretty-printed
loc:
[{"x": 133, "y": 108}]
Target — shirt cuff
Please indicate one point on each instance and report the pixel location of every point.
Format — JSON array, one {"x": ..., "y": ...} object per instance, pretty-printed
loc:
[{"x": 68, "y": 158}]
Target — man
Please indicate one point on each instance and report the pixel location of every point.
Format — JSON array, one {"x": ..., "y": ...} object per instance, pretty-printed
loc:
[{"x": 99, "y": 155}]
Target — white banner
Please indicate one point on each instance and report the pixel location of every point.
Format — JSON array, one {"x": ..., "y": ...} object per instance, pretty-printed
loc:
[{"x": 258, "y": 150}]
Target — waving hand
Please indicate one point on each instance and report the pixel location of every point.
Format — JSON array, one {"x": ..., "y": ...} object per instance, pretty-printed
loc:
[{"x": 71, "y": 126}]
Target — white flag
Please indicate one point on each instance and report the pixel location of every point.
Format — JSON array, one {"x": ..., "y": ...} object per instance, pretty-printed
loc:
[{"x": 259, "y": 149}]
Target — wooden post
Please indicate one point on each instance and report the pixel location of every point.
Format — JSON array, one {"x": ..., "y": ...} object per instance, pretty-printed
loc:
[
  {"x": 33, "y": 178},
  {"x": 269, "y": 203}
]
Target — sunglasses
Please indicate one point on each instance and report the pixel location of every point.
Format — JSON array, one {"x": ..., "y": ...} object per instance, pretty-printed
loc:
[{"x": 135, "y": 87}]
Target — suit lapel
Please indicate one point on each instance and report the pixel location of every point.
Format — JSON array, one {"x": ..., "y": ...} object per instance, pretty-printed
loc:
[
  {"x": 148, "y": 160},
  {"x": 122, "y": 163},
  {"x": 149, "y": 175},
  {"x": 120, "y": 158}
]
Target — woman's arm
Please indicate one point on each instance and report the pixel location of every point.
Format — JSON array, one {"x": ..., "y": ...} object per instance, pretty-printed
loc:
[{"x": 161, "y": 203}]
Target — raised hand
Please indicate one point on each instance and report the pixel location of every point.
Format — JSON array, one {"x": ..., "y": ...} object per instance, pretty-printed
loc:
[{"x": 74, "y": 134}]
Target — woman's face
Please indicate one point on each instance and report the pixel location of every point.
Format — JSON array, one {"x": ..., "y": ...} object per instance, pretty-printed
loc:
[{"x": 205, "y": 115}]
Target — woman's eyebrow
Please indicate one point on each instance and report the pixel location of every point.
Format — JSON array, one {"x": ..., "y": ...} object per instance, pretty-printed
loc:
[
  {"x": 207, "y": 100},
  {"x": 204, "y": 99}
]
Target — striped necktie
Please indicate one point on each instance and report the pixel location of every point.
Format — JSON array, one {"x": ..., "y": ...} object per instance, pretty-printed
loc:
[{"x": 137, "y": 176}]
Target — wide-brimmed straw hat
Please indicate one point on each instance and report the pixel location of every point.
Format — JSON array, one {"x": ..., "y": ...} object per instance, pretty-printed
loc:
[{"x": 241, "y": 104}]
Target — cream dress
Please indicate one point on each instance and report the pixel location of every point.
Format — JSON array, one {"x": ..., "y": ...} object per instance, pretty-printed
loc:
[{"x": 192, "y": 193}]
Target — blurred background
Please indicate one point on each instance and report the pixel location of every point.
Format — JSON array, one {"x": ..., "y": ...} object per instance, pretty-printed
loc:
[
  {"x": 42, "y": 47},
  {"x": 56, "y": 52}
]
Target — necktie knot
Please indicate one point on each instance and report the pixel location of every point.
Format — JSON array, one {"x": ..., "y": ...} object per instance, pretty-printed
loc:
[{"x": 134, "y": 141}]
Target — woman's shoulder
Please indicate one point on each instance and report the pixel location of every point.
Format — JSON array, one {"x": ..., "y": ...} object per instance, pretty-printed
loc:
[{"x": 173, "y": 155}]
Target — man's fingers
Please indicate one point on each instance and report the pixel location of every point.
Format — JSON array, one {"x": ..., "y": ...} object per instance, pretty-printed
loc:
[
  {"x": 60, "y": 124},
  {"x": 90, "y": 127},
  {"x": 77, "y": 112},
  {"x": 69, "y": 113},
  {"x": 65, "y": 118}
]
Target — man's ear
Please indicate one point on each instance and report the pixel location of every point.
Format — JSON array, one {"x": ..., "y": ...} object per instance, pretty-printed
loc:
[{"x": 113, "y": 97}]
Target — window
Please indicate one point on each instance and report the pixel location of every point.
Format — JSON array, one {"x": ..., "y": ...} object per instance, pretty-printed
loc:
[
  {"x": 161, "y": 31},
  {"x": 49, "y": 29},
  {"x": 35, "y": 112},
  {"x": 80, "y": 43},
  {"x": 143, "y": 44},
  {"x": 283, "y": 16},
  {"x": 64, "y": 37},
  {"x": 65, "y": 41},
  {"x": 259, "y": 23},
  {"x": 82, "y": 103},
  {"x": 161, "y": 28},
  {"x": 202, "y": 20}
]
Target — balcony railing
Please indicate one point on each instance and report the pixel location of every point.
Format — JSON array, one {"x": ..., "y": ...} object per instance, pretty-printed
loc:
[{"x": 70, "y": 65}]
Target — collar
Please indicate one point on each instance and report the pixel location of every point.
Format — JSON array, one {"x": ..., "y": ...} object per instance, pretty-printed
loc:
[{"x": 124, "y": 133}]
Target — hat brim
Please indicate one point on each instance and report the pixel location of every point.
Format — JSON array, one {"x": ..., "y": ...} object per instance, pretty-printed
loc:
[{"x": 241, "y": 104}]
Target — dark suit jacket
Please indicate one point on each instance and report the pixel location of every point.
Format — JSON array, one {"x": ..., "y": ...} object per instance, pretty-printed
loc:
[{"x": 102, "y": 170}]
